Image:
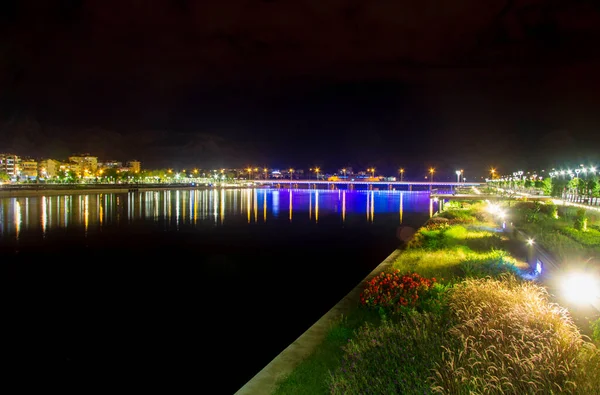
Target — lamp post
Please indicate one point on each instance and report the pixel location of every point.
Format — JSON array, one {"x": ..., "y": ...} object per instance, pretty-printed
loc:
[
  {"x": 344, "y": 171},
  {"x": 291, "y": 175},
  {"x": 372, "y": 170},
  {"x": 493, "y": 172},
  {"x": 431, "y": 171},
  {"x": 317, "y": 172},
  {"x": 249, "y": 173},
  {"x": 401, "y": 171},
  {"x": 457, "y": 176}
]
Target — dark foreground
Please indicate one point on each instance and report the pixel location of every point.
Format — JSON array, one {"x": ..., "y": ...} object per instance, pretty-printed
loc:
[{"x": 150, "y": 309}]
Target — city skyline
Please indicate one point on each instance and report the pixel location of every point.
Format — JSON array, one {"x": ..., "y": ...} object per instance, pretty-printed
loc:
[{"x": 231, "y": 84}]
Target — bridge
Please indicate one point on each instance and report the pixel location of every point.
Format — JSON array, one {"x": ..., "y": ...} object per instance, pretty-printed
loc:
[{"x": 370, "y": 185}]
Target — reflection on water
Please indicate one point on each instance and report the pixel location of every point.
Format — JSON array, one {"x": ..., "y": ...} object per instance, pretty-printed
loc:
[{"x": 177, "y": 208}]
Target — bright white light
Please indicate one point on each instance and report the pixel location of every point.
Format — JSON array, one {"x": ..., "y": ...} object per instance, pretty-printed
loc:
[
  {"x": 530, "y": 242},
  {"x": 492, "y": 209},
  {"x": 581, "y": 288}
]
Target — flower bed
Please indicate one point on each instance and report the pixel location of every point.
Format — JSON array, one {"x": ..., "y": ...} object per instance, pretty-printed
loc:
[{"x": 393, "y": 291}]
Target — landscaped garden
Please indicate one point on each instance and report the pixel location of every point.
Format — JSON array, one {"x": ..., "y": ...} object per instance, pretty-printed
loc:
[
  {"x": 569, "y": 233},
  {"x": 452, "y": 315}
]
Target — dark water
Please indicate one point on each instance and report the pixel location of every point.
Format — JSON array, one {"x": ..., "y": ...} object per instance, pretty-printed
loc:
[{"x": 183, "y": 289}]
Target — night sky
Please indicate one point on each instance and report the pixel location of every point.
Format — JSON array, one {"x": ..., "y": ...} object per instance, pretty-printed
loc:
[{"x": 454, "y": 84}]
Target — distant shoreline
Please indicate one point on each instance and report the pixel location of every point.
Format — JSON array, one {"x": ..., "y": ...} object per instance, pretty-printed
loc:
[{"x": 58, "y": 190}]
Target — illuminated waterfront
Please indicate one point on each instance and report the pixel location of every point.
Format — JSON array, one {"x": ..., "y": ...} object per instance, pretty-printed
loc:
[{"x": 171, "y": 279}]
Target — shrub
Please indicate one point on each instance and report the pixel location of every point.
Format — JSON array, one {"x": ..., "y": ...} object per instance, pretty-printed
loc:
[
  {"x": 459, "y": 216},
  {"x": 493, "y": 263},
  {"x": 394, "y": 358},
  {"x": 589, "y": 238},
  {"x": 581, "y": 220},
  {"x": 394, "y": 292},
  {"x": 595, "y": 325},
  {"x": 436, "y": 223},
  {"x": 510, "y": 339}
]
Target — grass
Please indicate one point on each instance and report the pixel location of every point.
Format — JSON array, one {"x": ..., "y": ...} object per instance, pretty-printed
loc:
[
  {"x": 558, "y": 235},
  {"x": 392, "y": 358},
  {"x": 312, "y": 375},
  {"x": 509, "y": 339}
]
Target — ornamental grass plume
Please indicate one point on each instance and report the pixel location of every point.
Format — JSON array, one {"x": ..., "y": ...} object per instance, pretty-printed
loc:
[{"x": 509, "y": 339}]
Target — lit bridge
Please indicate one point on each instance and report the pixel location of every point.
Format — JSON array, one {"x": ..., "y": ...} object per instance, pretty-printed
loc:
[{"x": 370, "y": 185}]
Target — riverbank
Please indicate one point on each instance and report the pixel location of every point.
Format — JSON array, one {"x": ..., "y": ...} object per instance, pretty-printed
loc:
[
  {"x": 457, "y": 269},
  {"x": 265, "y": 381}
]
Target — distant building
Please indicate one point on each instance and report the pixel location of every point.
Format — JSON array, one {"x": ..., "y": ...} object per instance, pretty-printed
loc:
[
  {"x": 28, "y": 169},
  {"x": 48, "y": 168},
  {"x": 9, "y": 163},
  {"x": 75, "y": 167},
  {"x": 110, "y": 164},
  {"x": 86, "y": 162},
  {"x": 135, "y": 166}
]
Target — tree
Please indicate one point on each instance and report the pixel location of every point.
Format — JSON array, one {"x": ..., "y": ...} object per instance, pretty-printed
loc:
[
  {"x": 4, "y": 177},
  {"x": 593, "y": 186},
  {"x": 545, "y": 185}
]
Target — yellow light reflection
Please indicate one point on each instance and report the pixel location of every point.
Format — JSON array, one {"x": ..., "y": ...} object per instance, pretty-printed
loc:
[
  {"x": 222, "y": 206},
  {"x": 183, "y": 206},
  {"x": 86, "y": 213},
  {"x": 17, "y": 215},
  {"x": 265, "y": 207},
  {"x": 310, "y": 206},
  {"x": 26, "y": 211},
  {"x": 101, "y": 215},
  {"x": 368, "y": 206},
  {"x": 430, "y": 208},
  {"x": 248, "y": 196},
  {"x": 316, "y": 206},
  {"x": 167, "y": 207},
  {"x": 66, "y": 211},
  {"x": 195, "y": 206},
  {"x": 255, "y": 198},
  {"x": 290, "y": 205},
  {"x": 215, "y": 200},
  {"x": 344, "y": 206},
  {"x": 44, "y": 214},
  {"x": 401, "y": 206}
]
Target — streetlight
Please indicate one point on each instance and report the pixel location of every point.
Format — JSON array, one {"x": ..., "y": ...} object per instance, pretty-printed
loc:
[
  {"x": 457, "y": 175},
  {"x": 431, "y": 171},
  {"x": 493, "y": 172},
  {"x": 401, "y": 171},
  {"x": 581, "y": 288},
  {"x": 249, "y": 172},
  {"x": 344, "y": 171},
  {"x": 265, "y": 170},
  {"x": 372, "y": 170},
  {"x": 291, "y": 174},
  {"x": 317, "y": 172}
]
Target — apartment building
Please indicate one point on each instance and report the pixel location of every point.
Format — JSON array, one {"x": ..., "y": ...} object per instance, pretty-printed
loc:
[
  {"x": 28, "y": 169},
  {"x": 134, "y": 166},
  {"x": 9, "y": 163},
  {"x": 48, "y": 168},
  {"x": 86, "y": 162}
]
